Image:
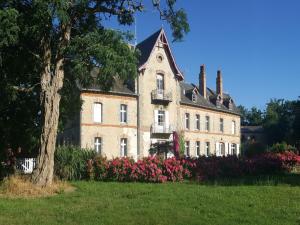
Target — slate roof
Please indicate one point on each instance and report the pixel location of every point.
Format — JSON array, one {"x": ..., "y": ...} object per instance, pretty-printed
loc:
[
  {"x": 146, "y": 47},
  {"x": 252, "y": 129},
  {"x": 205, "y": 103},
  {"x": 118, "y": 87}
]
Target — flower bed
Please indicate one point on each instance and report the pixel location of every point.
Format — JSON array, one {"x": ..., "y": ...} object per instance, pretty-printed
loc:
[{"x": 155, "y": 169}]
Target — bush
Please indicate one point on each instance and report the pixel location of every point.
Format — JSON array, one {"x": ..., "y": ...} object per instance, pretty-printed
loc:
[
  {"x": 70, "y": 162},
  {"x": 253, "y": 149},
  {"x": 282, "y": 147}
]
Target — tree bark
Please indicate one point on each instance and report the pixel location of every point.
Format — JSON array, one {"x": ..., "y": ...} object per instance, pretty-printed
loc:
[{"x": 51, "y": 84}]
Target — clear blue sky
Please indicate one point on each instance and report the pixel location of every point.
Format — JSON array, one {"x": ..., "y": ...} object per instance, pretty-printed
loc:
[{"x": 256, "y": 44}]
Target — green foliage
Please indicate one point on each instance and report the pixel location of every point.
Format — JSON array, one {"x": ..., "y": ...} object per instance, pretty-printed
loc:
[
  {"x": 280, "y": 120},
  {"x": 252, "y": 117},
  {"x": 253, "y": 149},
  {"x": 27, "y": 28},
  {"x": 181, "y": 144},
  {"x": 70, "y": 162},
  {"x": 8, "y": 27},
  {"x": 281, "y": 147}
]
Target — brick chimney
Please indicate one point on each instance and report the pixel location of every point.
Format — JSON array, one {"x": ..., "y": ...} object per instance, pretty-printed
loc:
[
  {"x": 219, "y": 84},
  {"x": 202, "y": 81}
]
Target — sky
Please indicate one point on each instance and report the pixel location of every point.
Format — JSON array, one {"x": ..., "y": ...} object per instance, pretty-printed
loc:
[{"x": 255, "y": 43}]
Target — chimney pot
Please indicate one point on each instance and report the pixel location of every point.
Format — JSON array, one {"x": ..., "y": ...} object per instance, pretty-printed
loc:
[
  {"x": 202, "y": 81},
  {"x": 219, "y": 84}
]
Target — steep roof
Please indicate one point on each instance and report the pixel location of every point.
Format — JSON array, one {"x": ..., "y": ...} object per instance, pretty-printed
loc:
[
  {"x": 146, "y": 47},
  {"x": 208, "y": 102}
]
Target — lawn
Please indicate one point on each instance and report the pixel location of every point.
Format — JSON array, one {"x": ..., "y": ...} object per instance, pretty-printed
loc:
[{"x": 170, "y": 203}]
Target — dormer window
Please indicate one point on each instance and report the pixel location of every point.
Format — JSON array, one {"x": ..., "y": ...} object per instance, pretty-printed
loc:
[
  {"x": 230, "y": 104},
  {"x": 194, "y": 97},
  {"x": 219, "y": 101}
]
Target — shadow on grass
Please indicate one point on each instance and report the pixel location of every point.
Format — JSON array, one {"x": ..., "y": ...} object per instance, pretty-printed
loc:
[{"x": 292, "y": 179}]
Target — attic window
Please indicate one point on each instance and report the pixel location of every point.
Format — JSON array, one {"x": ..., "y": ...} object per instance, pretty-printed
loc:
[
  {"x": 159, "y": 58},
  {"x": 219, "y": 101},
  {"x": 194, "y": 97},
  {"x": 230, "y": 104}
]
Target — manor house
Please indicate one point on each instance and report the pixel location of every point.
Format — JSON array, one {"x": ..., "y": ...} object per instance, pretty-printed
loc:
[{"x": 135, "y": 117}]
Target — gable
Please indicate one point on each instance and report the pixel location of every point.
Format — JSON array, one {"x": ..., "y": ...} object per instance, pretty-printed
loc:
[{"x": 147, "y": 47}]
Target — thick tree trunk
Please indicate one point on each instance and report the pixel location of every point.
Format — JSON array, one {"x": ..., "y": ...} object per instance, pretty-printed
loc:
[{"x": 51, "y": 84}]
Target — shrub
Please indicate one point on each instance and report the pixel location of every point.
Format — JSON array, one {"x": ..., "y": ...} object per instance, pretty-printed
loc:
[
  {"x": 281, "y": 147},
  {"x": 253, "y": 149},
  {"x": 70, "y": 162}
]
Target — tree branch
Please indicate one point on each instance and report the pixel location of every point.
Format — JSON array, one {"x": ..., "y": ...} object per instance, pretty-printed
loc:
[{"x": 24, "y": 89}]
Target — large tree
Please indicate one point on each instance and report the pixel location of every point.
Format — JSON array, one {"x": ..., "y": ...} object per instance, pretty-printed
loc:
[{"x": 62, "y": 40}]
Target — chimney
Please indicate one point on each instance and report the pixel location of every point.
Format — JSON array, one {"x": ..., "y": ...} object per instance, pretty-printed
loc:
[
  {"x": 219, "y": 84},
  {"x": 202, "y": 81}
]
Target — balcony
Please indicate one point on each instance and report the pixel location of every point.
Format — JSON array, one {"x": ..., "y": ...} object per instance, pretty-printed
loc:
[
  {"x": 161, "y": 96},
  {"x": 157, "y": 128}
]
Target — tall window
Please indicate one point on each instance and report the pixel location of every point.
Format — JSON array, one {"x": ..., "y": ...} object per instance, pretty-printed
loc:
[
  {"x": 221, "y": 125},
  {"x": 98, "y": 144},
  {"x": 161, "y": 117},
  {"x": 187, "y": 121},
  {"x": 198, "y": 148},
  {"x": 123, "y": 113},
  {"x": 207, "y": 148},
  {"x": 233, "y": 149},
  {"x": 160, "y": 82},
  {"x": 233, "y": 127},
  {"x": 97, "y": 112},
  {"x": 207, "y": 123},
  {"x": 198, "y": 122},
  {"x": 123, "y": 147},
  {"x": 187, "y": 148}
]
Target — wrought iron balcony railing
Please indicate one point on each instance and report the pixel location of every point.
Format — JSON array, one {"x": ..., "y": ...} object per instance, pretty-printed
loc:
[
  {"x": 159, "y": 128},
  {"x": 161, "y": 95}
]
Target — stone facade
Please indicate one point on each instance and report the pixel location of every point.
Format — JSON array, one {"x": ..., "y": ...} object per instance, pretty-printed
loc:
[{"x": 156, "y": 107}]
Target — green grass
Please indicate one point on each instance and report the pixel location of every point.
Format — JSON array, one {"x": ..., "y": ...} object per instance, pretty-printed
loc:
[{"x": 171, "y": 203}]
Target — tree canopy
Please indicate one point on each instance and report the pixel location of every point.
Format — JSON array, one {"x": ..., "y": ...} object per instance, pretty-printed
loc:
[{"x": 48, "y": 47}]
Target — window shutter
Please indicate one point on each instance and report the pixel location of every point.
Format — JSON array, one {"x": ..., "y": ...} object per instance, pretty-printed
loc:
[
  {"x": 98, "y": 112},
  {"x": 167, "y": 119},
  {"x": 226, "y": 148},
  {"x": 156, "y": 117},
  {"x": 237, "y": 149}
]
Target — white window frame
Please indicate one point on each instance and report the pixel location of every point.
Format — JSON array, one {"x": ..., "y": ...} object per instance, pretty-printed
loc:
[
  {"x": 221, "y": 125},
  {"x": 194, "y": 97},
  {"x": 161, "y": 117},
  {"x": 207, "y": 148},
  {"x": 233, "y": 149},
  {"x": 207, "y": 123},
  {"x": 97, "y": 112},
  {"x": 98, "y": 144},
  {"x": 124, "y": 147},
  {"x": 187, "y": 148},
  {"x": 197, "y": 146},
  {"x": 187, "y": 121},
  {"x": 197, "y": 121},
  {"x": 233, "y": 127},
  {"x": 160, "y": 83},
  {"x": 123, "y": 113}
]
